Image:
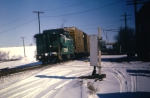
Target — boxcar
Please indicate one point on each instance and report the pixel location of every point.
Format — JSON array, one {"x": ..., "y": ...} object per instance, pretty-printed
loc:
[{"x": 81, "y": 42}]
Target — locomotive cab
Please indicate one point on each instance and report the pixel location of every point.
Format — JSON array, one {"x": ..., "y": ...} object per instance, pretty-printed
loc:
[{"x": 54, "y": 45}]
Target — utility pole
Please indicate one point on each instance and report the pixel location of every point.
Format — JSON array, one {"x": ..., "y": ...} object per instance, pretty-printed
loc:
[
  {"x": 125, "y": 19},
  {"x": 23, "y": 46},
  {"x": 135, "y": 2},
  {"x": 99, "y": 52},
  {"x": 38, "y": 18}
]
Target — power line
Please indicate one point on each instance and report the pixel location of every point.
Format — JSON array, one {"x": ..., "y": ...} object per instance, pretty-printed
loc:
[
  {"x": 135, "y": 2},
  {"x": 44, "y": 10},
  {"x": 98, "y": 23},
  {"x": 105, "y": 33},
  {"x": 87, "y": 10},
  {"x": 13, "y": 41},
  {"x": 64, "y": 15},
  {"x": 69, "y": 6},
  {"x": 105, "y": 26},
  {"x": 25, "y": 16},
  {"x": 9, "y": 42},
  {"x": 18, "y": 26}
]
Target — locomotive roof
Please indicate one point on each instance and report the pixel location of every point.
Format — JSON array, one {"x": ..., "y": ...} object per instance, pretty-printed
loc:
[{"x": 56, "y": 31}]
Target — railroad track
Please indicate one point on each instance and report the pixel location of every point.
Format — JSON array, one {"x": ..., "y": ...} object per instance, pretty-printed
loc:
[{"x": 8, "y": 71}]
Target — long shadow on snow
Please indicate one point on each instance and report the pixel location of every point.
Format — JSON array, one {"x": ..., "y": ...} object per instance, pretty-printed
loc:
[
  {"x": 29, "y": 64},
  {"x": 55, "y": 77},
  {"x": 140, "y": 72},
  {"x": 116, "y": 59},
  {"x": 119, "y": 59},
  {"x": 126, "y": 95}
]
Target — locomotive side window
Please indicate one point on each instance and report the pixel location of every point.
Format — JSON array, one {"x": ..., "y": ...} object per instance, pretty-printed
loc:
[{"x": 67, "y": 36}]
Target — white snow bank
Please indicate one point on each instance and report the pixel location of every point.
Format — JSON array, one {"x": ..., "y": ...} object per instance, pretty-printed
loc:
[{"x": 18, "y": 52}]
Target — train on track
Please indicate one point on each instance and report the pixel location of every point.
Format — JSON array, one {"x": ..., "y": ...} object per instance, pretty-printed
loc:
[{"x": 61, "y": 44}]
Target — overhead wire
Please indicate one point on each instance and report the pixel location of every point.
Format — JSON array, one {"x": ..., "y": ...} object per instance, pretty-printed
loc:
[
  {"x": 86, "y": 10},
  {"x": 18, "y": 26},
  {"x": 105, "y": 33},
  {"x": 65, "y": 15},
  {"x": 44, "y": 10},
  {"x": 15, "y": 20},
  {"x": 97, "y": 23},
  {"x": 104, "y": 27},
  {"x": 69, "y": 6},
  {"x": 9, "y": 43},
  {"x": 15, "y": 40}
]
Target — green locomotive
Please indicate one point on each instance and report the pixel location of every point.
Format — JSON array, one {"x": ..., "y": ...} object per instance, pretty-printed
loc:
[
  {"x": 61, "y": 44},
  {"x": 53, "y": 45}
]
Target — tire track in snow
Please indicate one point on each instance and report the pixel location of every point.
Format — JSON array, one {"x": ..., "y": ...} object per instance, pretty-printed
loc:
[
  {"x": 24, "y": 74},
  {"x": 57, "y": 89},
  {"x": 121, "y": 79},
  {"x": 17, "y": 85},
  {"x": 20, "y": 86},
  {"x": 31, "y": 87},
  {"x": 23, "y": 93},
  {"x": 116, "y": 76},
  {"x": 125, "y": 82},
  {"x": 34, "y": 90},
  {"x": 133, "y": 83},
  {"x": 52, "y": 91}
]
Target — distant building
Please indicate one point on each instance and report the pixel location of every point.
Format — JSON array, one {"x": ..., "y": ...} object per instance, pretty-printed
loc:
[{"x": 143, "y": 32}]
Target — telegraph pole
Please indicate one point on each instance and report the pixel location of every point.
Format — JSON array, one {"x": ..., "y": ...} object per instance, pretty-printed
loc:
[
  {"x": 23, "y": 46},
  {"x": 99, "y": 52},
  {"x": 38, "y": 18},
  {"x": 135, "y": 2},
  {"x": 125, "y": 19}
]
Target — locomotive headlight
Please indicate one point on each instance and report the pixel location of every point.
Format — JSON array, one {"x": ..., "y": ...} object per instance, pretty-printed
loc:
[
  {"x": 46, "y": 54},
  {"x": 39, "y": 57},
  {"x": 53, "y": 53}
]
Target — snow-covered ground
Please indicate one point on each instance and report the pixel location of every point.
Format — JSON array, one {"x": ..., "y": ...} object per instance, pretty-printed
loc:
[{"x": 123, "y": 80}]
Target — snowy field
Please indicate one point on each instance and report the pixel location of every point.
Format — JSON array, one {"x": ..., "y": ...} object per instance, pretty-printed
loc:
[
  {"x": 17, "y": 53},
  {"x": 123, "y": 80}
]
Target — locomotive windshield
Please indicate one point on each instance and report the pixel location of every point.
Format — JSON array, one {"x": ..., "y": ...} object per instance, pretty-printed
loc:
[{"x": 53, "y": 38}]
